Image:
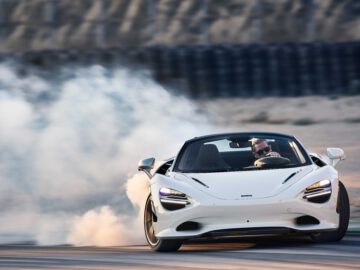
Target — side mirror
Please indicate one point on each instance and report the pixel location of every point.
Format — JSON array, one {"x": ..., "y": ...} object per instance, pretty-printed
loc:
[
  {"x": 146, "y": 165},
  {"x": 335, "y": 155}
]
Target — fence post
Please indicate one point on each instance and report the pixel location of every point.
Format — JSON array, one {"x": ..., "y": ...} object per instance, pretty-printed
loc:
[
  {"x": 152, "y": 24},
  {"x": 310, "y": 20},
  {"x": 257, "y": 21},
  {"x": 205, "y": 30},
  {"x": 100, "y": 25},
  {"x": 49, "y": 21},
  {"x": 2, "y": 26}
]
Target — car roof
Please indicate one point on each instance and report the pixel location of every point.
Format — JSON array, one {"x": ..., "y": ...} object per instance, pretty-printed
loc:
[{"x": 252, "y": 134}]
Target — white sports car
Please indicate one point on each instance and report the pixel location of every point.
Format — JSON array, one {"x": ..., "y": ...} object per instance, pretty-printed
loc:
[{"x": 239, "y": 184}]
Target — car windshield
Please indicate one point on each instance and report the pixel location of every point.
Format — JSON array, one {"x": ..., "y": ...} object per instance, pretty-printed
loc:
[{"x": 239, "y": 153}]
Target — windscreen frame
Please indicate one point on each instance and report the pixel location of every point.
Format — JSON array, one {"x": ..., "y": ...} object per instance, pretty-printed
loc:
[{"x": 205, "y": 139}]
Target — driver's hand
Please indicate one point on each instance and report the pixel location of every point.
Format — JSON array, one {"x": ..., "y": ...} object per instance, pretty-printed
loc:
[{"x": 273, "y": 154}]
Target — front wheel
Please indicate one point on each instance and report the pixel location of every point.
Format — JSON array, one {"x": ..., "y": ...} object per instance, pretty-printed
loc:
[
  {"x": 343, "y": 208},
  {"x": 161, "y": 245}
]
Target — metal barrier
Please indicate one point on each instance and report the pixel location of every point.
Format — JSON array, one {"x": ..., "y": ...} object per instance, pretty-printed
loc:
[
  {"x": 230, "y": 70},
  {"x": 261, "y": 70}
]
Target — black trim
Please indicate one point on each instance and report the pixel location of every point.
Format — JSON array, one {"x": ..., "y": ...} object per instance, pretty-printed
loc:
[
  {"x": 201, "y": 183},
  {"x": 248, "y": 232},
  {"x": 289, "y": 177},
  {"x": 172, "y": 206},
  {"x": 250, "y": 134}
]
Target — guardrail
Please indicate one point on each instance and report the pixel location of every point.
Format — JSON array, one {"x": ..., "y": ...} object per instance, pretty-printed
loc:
[{"x": 231, "y": 70}]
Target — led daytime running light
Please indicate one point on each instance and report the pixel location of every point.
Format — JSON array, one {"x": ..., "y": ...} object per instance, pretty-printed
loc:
[
  {"x": 171, "y": 192},
  {"x": 319, "y": 184}
]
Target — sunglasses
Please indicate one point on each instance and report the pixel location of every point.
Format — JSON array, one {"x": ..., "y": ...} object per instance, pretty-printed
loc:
[{"x": 263, "y": 151}]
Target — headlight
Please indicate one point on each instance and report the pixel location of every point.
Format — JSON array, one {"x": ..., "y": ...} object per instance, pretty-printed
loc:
[
  {"x": 318, "y": 192},
  {"x": 319, "y": 184},
  {"x": 172, "y": 199},
  {"x": 171, "y": 192}
]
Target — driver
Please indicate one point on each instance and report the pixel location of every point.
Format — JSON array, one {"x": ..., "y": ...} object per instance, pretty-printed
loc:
[{"x": 261, "y": 148}]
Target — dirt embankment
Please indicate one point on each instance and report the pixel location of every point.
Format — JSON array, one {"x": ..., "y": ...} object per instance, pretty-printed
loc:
[{"x": 64, "y": 24}]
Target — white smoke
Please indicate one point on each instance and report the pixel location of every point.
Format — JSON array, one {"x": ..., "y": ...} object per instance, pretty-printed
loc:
[
  {"x": 102, "y": 227},
  {"x": 68, "y": 144}
]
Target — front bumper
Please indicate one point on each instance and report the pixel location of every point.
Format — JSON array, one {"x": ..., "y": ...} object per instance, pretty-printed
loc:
[{"x": 218, "y": 215}]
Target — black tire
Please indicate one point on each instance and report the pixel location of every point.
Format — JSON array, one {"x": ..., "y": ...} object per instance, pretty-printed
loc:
[
  {"x": 156, "y": 244},
  {"x": 343, "y": 208}
]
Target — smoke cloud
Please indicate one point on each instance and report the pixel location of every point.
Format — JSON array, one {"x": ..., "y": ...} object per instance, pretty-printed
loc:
[
  {"x": 69, "y": 145},
  {"x": 102, "y": 227}
]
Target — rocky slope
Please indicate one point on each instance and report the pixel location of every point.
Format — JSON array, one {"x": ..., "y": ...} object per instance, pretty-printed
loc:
[{"x": 42, "y": 24}]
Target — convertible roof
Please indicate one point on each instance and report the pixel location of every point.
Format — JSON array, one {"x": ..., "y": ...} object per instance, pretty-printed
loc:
[{"x": 252, "y": 134}]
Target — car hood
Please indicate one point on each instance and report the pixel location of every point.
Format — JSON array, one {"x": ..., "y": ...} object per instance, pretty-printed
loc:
[{"x": 248, "y": 184}]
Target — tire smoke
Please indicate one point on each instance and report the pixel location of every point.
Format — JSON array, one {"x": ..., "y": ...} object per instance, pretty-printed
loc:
[{"x": 69, "y": 145}]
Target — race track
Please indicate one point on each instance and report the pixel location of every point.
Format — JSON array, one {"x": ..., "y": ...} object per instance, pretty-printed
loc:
[{"x": 251, "y": 253}]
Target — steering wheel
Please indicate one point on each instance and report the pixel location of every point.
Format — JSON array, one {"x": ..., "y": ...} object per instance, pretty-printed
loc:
[{"x": 269, "y": 162}]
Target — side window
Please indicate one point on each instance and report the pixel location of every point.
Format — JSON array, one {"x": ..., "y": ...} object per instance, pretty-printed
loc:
[
  {"x": 318, "y": 161},
  {"x": 163, "y": 169},
  {"x": 189, "y": 156}
]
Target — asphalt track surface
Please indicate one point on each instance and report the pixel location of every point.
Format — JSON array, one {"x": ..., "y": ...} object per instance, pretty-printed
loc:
[{"x": 248, "y": 253}]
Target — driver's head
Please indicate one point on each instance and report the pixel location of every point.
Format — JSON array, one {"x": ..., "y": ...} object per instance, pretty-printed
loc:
[{"x": 260, "y": 148}]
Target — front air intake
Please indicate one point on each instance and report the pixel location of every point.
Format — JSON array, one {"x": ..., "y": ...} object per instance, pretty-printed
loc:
[
  {"x": 171, "y": 205},
  {"x": 306, "y": 220},
  {"x": 188, "y": 226}
]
